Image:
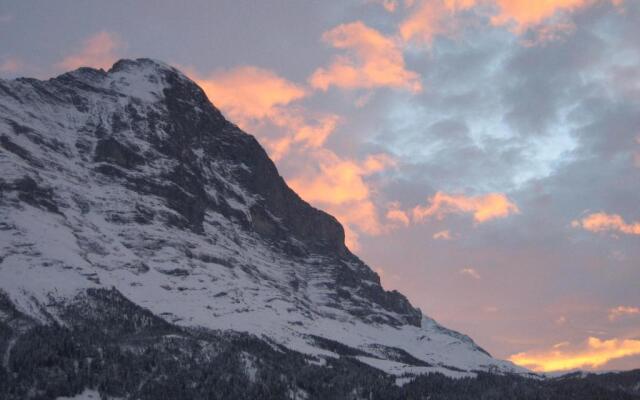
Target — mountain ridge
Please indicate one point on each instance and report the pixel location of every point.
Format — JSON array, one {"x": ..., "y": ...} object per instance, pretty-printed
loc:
[{"x": 131, "y": 179}]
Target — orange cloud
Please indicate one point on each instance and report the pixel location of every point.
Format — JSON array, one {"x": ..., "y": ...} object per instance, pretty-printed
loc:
[
  {"x": 259, "y": 100},
  {"x": 373, "y": 60},
  {"x": 522, "y": 14},
  {"x": 307, "y": 129},
  {"x": 389, "y": 5},
  {"x": 484, "y": 207},
  {"x": 620, "y": 311},
  {"x": 340, "y": 180},
  {"x": 338, "y": 186},
  {"x": 396, "y": 215},
  {"x": 11, "y": 65},
  {"x": 601, "y": 222},
  {"x": 593, "y": 354},
  {"x": 435, "y": 17},
  {"x": 431, "y": 18},
  {"x": 470, "y": 272},
  {"x": 249, "y": 92},
  {"x": 442, "y": 235},
  {"x": 98, "y": 51}
]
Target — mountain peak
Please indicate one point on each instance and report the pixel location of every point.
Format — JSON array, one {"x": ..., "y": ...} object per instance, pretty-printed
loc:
[
  {"x": 126, "y": 64},
  {"x": 131, "y": 179}
]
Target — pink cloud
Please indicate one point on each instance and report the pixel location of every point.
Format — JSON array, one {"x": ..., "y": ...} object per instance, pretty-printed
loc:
[
  {"x": 442, "y": 235},
  {"x": 259, "y": 100},
  {"x": 371, "y": 60},
  {"x": 620, "y": 311},
  {"x": 603, "y": 222},
  {"x": 483, "y": 208},
  {"x": 429, "y": 18},
  {"x": 470, "y": 272},
  {"x": 97, "y": 51},
  {"x": 12, "y": 65}
]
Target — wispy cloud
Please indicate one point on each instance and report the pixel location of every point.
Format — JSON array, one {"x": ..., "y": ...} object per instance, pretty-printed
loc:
[
  {"x": 259, "y": 100},
  {"x": 98, "y": 51},
  {"x": 372, "y": 60},
  {"x": 429, "y": 18},
  {"x": 11, "y": 65},
  {"x": 522, "y": 14},
  {"x": 442, "y": 235},
  {"x": 603, "y": 222},
  {"x": 471, "y": 272},
  {"x": 396, "y": 215},
  {"x": 593, "y": 353},
  {"x": 483, "y": 207},
  {"x": 620, "y": 311},
  {"x": 389, "y": 5},
  {"x": 249, "y": 92}
]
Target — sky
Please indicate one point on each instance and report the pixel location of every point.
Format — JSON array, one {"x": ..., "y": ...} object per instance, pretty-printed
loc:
[{"x": 482, "y": 155}]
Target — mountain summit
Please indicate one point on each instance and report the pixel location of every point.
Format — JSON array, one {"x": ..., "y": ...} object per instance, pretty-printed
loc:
[{"x": 129, "y": 205}]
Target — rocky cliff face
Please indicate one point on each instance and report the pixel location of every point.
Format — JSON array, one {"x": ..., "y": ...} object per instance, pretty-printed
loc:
[{"x": 131, "y": 180}]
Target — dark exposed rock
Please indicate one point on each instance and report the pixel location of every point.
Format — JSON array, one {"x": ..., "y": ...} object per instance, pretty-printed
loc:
[
  {"x": 18, "y": 128},
  {"x": 30, "y": 192},
  {"x": 110, "y": 150},
  {"x": 8, "y": 145}
]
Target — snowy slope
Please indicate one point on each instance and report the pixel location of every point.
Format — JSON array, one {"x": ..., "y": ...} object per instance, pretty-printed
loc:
[{"x": 131, "y": 179}]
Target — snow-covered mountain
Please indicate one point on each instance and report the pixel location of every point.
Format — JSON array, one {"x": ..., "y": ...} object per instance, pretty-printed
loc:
[{"x": 131, "y": 181}]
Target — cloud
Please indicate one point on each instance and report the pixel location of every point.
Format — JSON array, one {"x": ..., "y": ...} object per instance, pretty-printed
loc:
[
  {"x": 249, "y": 92},
  {"x": 522, "y": 14},
  {"x": 307, "y": 129},
  {"x": 372, "y": 60},
  {"x": 470, "y": 272},
  {"x": 548, "y": 33},
  {"x": 259, "y": 100},
  {"x": 429, "y": 18},
  {"x": 442, "y": 235},
  {"x": 338, "y": 186},
  {"x": 98, "y": 51},
  {"x": 11, "y": 65},
  {"x": 389, "y": 5},
  {"x": 395, "y": 214},
  {"x": 617, "y": 312},
  {"x": 602, "y": 222},
  {"x": 484, "y": 207},
  {"x": 340, "y": 179},
  {"x": 592, "y": 354}
]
